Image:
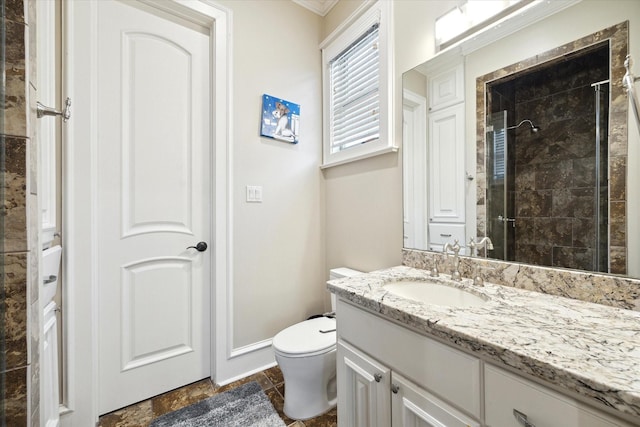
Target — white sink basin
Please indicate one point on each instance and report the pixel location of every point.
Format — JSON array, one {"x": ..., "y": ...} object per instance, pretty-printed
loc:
[{"x": 434, "y": 293}]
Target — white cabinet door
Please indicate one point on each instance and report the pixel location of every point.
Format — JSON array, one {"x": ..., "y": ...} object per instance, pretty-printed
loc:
[
  {"x": 412, "y": 406},
  {"x": 446, "y": 88},
  {"x": 363, "y": 389},
  {"x": 446, "y": 165}
]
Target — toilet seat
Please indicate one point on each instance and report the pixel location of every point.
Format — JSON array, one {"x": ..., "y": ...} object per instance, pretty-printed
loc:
[{"x": 304, "y": 339}]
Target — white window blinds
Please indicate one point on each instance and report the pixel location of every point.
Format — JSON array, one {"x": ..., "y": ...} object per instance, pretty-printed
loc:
[
  {"x": 355, "y": 97},
  {"x": 499, "y": 145}
]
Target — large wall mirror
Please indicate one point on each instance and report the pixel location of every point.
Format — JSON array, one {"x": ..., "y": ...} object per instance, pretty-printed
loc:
[{"x": 522, "y": 133}]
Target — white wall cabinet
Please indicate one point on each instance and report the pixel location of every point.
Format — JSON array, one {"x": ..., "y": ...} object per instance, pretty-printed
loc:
[
  {"x": 446, "y": 157},
  {"x": 446, "y": 87},
  {"x": 389, "y": 375}
]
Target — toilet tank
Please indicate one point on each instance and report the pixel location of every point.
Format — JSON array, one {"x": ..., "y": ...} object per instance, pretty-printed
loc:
[{"x": 339, "y": 273}]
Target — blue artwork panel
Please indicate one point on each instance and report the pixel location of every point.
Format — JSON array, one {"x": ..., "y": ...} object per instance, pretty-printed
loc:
[{"x": 280, "y": 119}]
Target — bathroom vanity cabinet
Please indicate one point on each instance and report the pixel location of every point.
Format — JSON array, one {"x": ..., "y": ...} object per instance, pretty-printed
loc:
[{"x": 391, "y": 375}]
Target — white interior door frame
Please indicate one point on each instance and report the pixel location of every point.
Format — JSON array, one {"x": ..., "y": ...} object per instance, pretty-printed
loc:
[
  {"x": 414, "y": 169},
  {"x": 80, "y": 194}
]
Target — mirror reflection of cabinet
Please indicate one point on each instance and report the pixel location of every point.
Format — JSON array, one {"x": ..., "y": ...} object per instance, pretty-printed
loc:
[{"x": 446, "y": 138}]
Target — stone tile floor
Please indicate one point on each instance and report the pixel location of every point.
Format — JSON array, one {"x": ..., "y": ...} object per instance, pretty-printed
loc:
[{"x": 141, "y": 414}]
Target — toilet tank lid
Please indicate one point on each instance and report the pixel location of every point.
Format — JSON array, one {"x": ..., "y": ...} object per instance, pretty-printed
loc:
[{"x": 338, "y": 273}]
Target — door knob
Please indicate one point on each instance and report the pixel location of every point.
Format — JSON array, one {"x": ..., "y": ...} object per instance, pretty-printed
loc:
[{"x": 200, "y": 247}]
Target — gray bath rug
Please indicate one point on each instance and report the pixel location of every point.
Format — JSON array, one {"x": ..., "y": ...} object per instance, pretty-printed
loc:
[{"x": 245, "y": 406}]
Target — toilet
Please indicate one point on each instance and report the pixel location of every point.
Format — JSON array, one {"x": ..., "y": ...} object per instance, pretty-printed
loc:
[{"x": 306, "y": 354}]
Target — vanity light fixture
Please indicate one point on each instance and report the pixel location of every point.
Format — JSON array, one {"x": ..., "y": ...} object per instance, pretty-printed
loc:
[{"x": 470, "y": 15}]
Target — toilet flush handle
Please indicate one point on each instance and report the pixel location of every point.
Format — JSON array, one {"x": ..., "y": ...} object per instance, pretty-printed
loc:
[{"x": 200, "y": 247}]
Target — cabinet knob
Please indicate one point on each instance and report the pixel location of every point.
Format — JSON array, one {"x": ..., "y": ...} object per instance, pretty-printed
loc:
[
  {"x": 522, "y": 418},
  {"x": 395, "y": 388},
  {"x": 377, "y": 377}
]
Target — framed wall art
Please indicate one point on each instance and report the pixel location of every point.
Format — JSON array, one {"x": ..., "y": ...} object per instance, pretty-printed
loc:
[{"x": 280, "y": 119}]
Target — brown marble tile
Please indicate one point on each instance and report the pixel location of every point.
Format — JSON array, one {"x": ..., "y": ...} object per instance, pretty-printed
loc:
[
  {"x": 525, "y": 231},
  {"x": 584, "y": 233},
  {"x": 14, "y": 310},
  {"x": 618, "y": 174},
  {"x": 554, "y": 231},
  {"x": 583, "y": 202},
  {"x": 139, "y": 415},
  {"x": 14, "y": 399},
  {"x": 618, "y": 261},
  {"x": 329, "y": 419},
  {"x": 14, "y": 205},
  {"x": 14, "y": 10},
  {"x": 533, "y": 203},
  {"x": 278, "y": 403},
  {"x": 296, "y": 424},
  {"x": 182, "y": 397},
  {"x": 584, "y": 172},
  {"x": 275, "y": 375},
  {"x": 534, "y": 254},
  {"x": 554, "y": 175},
  {"x": 562, "y": 204},
  {"x": 15, "y": 105}
]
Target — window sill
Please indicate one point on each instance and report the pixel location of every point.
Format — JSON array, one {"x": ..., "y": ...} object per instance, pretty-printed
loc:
[{"x": 355, "y": 158}]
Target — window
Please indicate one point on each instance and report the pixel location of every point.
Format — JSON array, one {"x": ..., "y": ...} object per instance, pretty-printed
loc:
[{"x": 357, "y": 87}]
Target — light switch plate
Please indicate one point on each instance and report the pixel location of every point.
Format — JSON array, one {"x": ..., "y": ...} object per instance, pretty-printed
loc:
[{"x": 254, "y": 193}]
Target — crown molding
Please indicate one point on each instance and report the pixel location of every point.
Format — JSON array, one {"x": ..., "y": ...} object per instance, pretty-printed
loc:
[{"x": 321, "y": 7}]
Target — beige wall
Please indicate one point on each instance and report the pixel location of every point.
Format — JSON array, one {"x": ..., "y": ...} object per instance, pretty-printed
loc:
[
  {"x": 278, "y": 245},
  {"x": 364, "y": 198}
]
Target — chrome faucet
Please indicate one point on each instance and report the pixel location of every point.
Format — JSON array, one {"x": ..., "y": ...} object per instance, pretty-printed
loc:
[
  {"x": 485, "y": 242},
  {"x": 455, "y": 248}
]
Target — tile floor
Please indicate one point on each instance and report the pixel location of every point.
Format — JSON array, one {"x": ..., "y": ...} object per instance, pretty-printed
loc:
[{"x": 271, "y": 380}]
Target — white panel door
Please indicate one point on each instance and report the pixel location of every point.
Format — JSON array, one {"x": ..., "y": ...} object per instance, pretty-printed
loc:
[
  {"x": 363, "y": 389},
  {"x": 446, "y": 165},
  {"x": 153, "y": 130}
]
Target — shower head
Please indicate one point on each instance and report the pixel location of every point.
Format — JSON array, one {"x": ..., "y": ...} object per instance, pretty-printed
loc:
[{"x": 534, "y": 128}]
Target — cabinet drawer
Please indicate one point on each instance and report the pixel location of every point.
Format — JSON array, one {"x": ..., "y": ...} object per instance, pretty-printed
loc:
[
  {"x": 439, "y": 234},
  {"x": 415, "y": 356},
  {"x": 543, "y": 407}
]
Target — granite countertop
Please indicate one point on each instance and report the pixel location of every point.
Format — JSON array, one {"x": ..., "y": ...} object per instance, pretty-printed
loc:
[{"x": 587, "y": 348}]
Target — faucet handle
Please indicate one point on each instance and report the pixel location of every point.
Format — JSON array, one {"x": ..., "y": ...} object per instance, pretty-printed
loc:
[
  {"x": 434, "y": 270},
  {"x": 456, "y": 246},
  {"x": 477, "y": 279}
]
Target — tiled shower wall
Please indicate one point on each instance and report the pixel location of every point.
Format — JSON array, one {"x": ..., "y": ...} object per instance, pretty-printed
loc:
[
  {"x": 19, "y": 304},
  {"x": 617, "y": 36},
  {"x": 555, "y": 169}
]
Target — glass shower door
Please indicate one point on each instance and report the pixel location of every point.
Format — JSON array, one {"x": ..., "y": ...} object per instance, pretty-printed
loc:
[{"x": 497, "y": 180}]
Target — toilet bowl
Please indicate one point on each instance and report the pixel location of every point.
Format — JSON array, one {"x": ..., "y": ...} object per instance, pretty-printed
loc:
[{"x": 306, "y": 354}]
